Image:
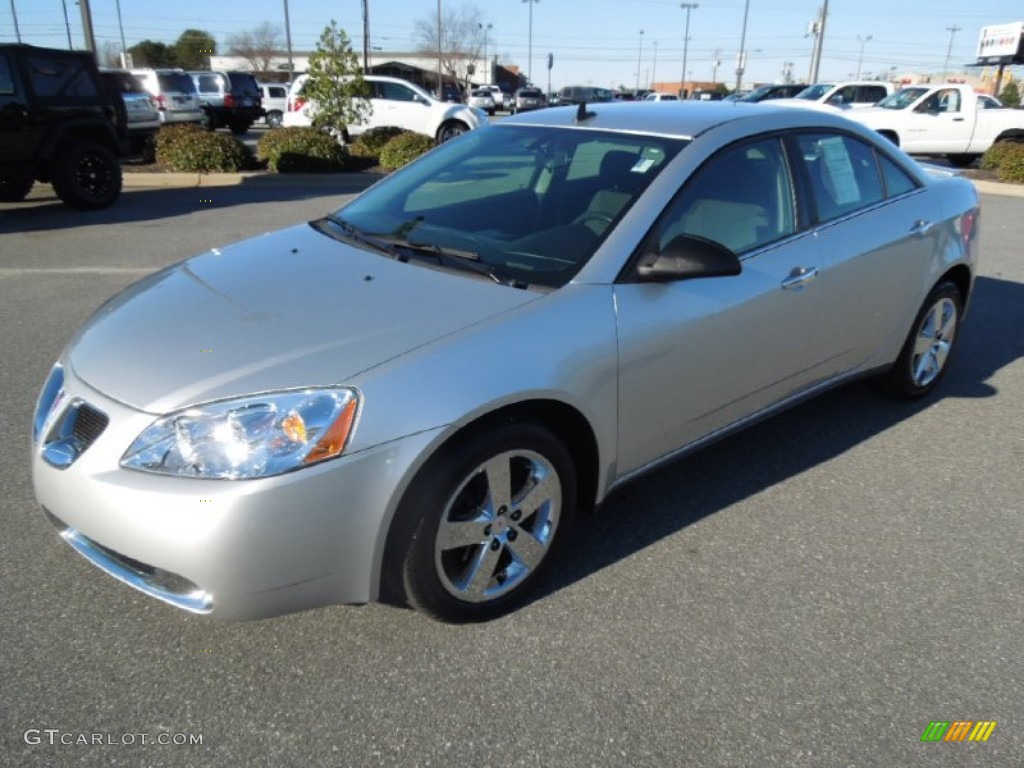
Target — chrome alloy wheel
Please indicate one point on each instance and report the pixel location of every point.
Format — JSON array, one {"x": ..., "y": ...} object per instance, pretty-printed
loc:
[
  {"x": 934, "y": 342},
  {"x": 497, "y": 527}
]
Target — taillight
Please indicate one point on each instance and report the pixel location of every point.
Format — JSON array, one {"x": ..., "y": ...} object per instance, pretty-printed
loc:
[
  {"x": 229, "y": 100},
  {"x": 294, "y": 105},
  {"x": 161, "y": 102}
]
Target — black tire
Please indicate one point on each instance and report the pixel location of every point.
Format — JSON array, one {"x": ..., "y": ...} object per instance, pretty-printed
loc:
[
  {"x": 208, "y": 121},
  {"x": 15, "y": 186},
  {"x": 929, "y": 347},
  {"x": 485, "y": 573},
  {"x": 238, "y": 127},
  {"x": 962, "y": 161},
  {"x": 87, "y": 176},
  {"x": 274, "y": 119},
  {"x": 450, "y": 130}
]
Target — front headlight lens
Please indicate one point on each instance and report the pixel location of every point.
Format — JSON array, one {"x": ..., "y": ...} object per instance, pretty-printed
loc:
[{"x": 250, "y": 437}]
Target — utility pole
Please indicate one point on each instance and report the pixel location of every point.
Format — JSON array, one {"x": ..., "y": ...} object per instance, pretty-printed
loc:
[
  {"x": 741, "y": 60},
  {"x": 818, "y": 30},
  {"x": 288, "y": 42},
  {"x": 490, "y": 69},
  {"x": 529, "y": 55},
  {"x": 949, "y": 51},
  {"x": 67, "y": 24},
  {"x": 654, "y": 67},
  {"x": 715, "y": 64},
  {"x": 686, "y": 46},
  {"x": 14, "y": 14},
  {"x": 90, "y": 40},
  {"x": 440, "y": 76},
  {"x": 120, "y": 27},
  {"x": 366, "y": 36},
  {"x": 860, "y": 60}
]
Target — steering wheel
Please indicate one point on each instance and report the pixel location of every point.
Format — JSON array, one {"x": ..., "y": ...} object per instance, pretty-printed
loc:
[{"x": 586, "y": 216}]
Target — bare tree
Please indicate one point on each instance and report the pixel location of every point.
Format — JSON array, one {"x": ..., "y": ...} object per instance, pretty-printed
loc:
[
  {"x": 259, "y": 46},
  {"x": 109, "y": 54},
  {"x": 461, "y": 40}
]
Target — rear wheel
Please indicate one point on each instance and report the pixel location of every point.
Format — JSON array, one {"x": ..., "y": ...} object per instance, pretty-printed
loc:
[
  {"x": 87, "y": 176},
  {"x": 927, "y": 350},
  {"x": 488, "y": 513},
  {"x": 274, "y": 119},
  {"x": 15, "y": 186},
  {"x": 239, "y": 127}
]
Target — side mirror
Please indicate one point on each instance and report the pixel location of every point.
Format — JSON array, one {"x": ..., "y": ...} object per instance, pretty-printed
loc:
[{"x": 687, "y": 257}]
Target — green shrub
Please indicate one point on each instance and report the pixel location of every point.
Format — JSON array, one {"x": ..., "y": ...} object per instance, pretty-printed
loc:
[
  {"x": 1011, "y": 167},
  {"x": 191, "y": 149},
  {"x": 403, "y": 149},
  {"x": 371, "y": 142},
  {"x": 298, "y": 150},
  {"x": 995, "y": 155}
]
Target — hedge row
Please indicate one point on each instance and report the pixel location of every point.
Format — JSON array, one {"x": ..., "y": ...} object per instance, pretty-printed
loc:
[
  {"x": 1006, "y": 158},
  {"x": 189, "y": 148}
]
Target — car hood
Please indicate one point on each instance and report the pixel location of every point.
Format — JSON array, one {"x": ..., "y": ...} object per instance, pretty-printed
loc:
[{"x": 293, "y": 308}]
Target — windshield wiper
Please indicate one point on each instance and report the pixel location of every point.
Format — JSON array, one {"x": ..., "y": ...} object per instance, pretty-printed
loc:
[
  {"x": 449, "y": 257},
  {"x": 351, "y": 232}
]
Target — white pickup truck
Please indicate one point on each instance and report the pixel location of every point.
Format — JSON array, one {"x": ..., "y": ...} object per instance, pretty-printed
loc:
[{"x": 945, "y": 119}]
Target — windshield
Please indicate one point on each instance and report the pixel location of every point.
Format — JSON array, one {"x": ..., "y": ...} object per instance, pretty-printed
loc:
[
  {"x": 902, "y": 99},
  {"x": 815, "y": 92},
  {"x": 530, "y": 204}
]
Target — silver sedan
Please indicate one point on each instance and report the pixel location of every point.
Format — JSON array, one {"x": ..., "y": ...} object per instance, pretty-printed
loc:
[{"x": 411, "y": 398}]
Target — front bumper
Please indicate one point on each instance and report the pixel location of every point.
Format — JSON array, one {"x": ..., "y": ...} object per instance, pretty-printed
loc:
[{"x": 242, "y": 549}]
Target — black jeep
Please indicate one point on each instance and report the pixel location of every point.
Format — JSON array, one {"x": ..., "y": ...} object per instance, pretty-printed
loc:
[{"x": 58, "y": 124}]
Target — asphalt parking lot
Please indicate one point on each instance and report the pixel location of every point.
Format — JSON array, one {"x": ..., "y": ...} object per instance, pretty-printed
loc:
[{"x": 813, "y": 592}]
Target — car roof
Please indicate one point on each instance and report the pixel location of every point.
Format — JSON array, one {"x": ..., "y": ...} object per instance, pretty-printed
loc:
[{"x": 681, "y": 119}]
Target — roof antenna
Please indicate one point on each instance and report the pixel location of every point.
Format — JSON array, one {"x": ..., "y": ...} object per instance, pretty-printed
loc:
[{"x": 582, "y": 113}]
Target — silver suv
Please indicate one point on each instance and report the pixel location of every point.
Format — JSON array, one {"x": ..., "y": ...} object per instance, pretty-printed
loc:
[{"x": 175, "y": 94}]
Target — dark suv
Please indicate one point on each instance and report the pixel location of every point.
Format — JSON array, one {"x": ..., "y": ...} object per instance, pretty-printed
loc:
[
  {"x": 231, "y": 99},
  {"x": 58, "y": 124}
]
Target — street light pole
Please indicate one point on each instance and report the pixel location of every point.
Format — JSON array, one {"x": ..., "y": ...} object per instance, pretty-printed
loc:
[
  {"x": 490, "y": 71},
  {"x": 440, "y": 77},
  {"x": 529, "y": 55},
  {"x": 654, "y": 67},
  {"x": 743, "y": 42},
  {"x": 90, "y": 40},
  {"x": 860, "y": 60},
  {"x": 686, "y": 45},
  {"x": 67, "y": 24},
  {"x": 639, "y": 59}
]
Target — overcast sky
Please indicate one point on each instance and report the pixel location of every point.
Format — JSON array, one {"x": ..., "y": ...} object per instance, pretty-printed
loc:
[{"x": 595, "y": 42}]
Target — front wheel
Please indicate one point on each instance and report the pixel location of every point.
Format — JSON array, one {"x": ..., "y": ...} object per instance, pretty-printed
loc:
[
  {"x": 927, "y": 350},
  {"x": 450, "y": 130},
  {"x": 962, "y": 161},
  {"x": 488, "y": 513},
  {"x": 87, "y": 176},
  {"x": 274, "y": 119},
  {"x": 238, "y": 127}
]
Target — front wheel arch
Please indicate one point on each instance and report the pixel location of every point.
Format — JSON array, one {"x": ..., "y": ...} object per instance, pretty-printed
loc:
[{"x": 891, "y": 136}]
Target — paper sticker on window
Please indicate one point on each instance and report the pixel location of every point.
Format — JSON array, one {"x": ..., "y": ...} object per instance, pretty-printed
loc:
[{"x": 839, "y": 170}]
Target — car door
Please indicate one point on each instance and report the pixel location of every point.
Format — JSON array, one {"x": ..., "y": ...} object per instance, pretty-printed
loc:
[
  {"x": 399, "y": 105},
  {"x": 940, "y": 124},
  {"x": 876, "y": 233},
  {"x": 698, "y": 355},
  {"x": 16, "y": 134}
]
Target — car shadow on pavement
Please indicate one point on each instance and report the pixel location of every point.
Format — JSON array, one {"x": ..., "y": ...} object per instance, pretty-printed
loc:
[
  {"x": 43, "y": 211},
  {"x": 711, "y": 480}
]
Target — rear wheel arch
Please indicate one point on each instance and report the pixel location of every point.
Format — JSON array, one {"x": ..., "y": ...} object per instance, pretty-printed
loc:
[{"x": 1013, "y": 134}]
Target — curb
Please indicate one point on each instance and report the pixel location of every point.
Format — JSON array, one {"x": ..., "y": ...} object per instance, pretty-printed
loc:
[
  {"x": 185, "y": 180},
  {"x": 146, "y": 180}
]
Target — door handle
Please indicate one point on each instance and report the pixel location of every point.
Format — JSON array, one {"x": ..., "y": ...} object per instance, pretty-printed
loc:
[
  {"x": 958, "y": 119},
  {"x": 921, "y": 228},
  {"x": 799, "y": 277}
]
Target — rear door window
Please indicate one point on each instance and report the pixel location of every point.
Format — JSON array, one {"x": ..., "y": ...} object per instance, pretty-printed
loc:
[
  {"x": 58, "y": 77},
  {"x": 843, "y": 172}
]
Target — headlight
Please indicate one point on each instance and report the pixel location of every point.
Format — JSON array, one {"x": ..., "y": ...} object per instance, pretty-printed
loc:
[{"x": 249, "y": 437}]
